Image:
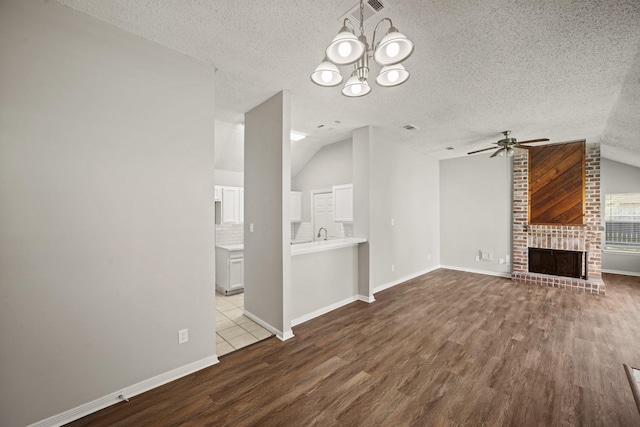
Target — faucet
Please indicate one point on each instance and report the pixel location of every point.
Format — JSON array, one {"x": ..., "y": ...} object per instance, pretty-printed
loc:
[{"x": 320, "y": 232}]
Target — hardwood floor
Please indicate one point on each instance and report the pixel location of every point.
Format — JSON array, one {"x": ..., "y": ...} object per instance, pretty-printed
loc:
[{"x": 446, "y": 349}]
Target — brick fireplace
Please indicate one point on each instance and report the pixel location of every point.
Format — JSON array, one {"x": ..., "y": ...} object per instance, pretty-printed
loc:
[{"x": 585, "y": 238}]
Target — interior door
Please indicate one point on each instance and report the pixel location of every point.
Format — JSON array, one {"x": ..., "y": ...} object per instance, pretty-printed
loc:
[{"x": 323, "y": 216}]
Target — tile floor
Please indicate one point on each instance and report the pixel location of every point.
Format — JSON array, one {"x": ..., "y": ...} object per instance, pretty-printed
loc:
[{"x": 233, "y": 329}]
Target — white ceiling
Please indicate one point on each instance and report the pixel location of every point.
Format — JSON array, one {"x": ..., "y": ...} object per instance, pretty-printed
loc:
[{"x": 560, "y": 69}]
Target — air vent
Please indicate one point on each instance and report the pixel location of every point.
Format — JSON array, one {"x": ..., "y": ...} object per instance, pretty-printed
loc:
[
  {"x": 409, "y": 127},
  {"x": 371, "y": 7}
]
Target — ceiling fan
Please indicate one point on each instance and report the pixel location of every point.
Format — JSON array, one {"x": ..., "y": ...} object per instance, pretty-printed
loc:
[{"x": 508, "y": 144}]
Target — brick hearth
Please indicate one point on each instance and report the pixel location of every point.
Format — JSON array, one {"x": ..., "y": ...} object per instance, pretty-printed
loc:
[{"x": 585, "y": 238}]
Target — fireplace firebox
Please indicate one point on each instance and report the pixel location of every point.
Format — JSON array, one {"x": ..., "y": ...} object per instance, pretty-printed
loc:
[{"x": 558, "y": 262}]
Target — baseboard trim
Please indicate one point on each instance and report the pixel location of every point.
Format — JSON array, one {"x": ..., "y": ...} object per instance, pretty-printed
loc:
[
  {"x": 624, "y": 273},
  {"x": 404, "y": 279},
  {"x": 128, "y": 392},
  {"x": 368, "y": 299},
  {"x": 282, "y": 336},
  {"x": 324, "y": 310},
  {"x": 471, "y": 270}
]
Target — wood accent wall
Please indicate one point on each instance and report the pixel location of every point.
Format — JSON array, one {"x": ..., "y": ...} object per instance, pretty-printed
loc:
[{"x": 557, "y": 184}]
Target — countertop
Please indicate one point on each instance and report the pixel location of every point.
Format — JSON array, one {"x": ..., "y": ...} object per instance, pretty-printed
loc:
[
  {"x": 232, "y": 247},
  {"x": 309, "y": 247},
  {"x": 325, "y": 245}
]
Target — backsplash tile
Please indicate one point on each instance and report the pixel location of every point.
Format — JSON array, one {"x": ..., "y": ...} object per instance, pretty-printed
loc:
[
  {"x": 229, "y": 234},
  {"x": 301, "y": 231}
]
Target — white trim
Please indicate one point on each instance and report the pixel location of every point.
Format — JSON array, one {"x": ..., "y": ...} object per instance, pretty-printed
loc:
[
  {"x": 324, "y": 310},
  {"x": 128, "y": 392},
  {"x": 282, "y": 336},
  {"x": 368, "y": 299},
  {"x": 620, "y": 252},
  {"x": 288, "y": 334},
  {"x": 471, "y": 270},
  {"x": 624, "y": 273},
  {"x": 403, "y": 279}
]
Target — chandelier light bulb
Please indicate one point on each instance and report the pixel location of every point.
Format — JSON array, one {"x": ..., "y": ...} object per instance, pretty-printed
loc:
[
  {"x": 393, "y": 76},
  {"x": 356, "y": 89},
  {"x": 344, "y": 49},
  {"x": 393, "y": 49},
  {"x": 326, "y": 76}
]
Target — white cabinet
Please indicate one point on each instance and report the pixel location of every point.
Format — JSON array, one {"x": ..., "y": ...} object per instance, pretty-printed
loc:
[
  {"x": 232, "y": 205},
  {"x": 229, "y": 269},
  {"x": 296, "y": 206},
  {"x": 343, "y": 203}
]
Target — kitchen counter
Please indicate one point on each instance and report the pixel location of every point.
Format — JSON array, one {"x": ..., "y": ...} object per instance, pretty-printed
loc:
[
  {"x": 324, "y": 276},
  {"x": 232, "y": 247},
  {"x": 325, "y": 245}
]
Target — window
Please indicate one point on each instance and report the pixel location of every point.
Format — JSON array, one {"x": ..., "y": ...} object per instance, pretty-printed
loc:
[{"x": 622, "y": 222}]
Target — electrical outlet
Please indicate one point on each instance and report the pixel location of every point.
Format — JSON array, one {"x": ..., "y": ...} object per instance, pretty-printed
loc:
[
  {"x": 428, "y": 257},
  {"x": 393, "y": 267},
  {"x": 393, "y": 222},
  {"x": 477, "y": 257},
  {"x": 183, "y": 336},
  {"x": 250, "y": 227}
]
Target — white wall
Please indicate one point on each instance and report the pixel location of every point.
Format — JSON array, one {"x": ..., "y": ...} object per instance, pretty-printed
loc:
[
  {"x": 475, "y": 212},
  {"x": 361, "y": 142},
  {"x": 332, "y": 165},
  {"x": 229, "y": 178},
  {"x": 267, "y": 179},
  {"x": 403, "y": 187},
  {"x": 106, "y": 222},
  {"x": 619, "y": 178}
]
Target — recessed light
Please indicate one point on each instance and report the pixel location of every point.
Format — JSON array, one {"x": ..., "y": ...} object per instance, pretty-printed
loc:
[
  {"x": 410, "y": 127},
  {"x": 296, "y": 136},
  {"x": 449, "y": 148}
]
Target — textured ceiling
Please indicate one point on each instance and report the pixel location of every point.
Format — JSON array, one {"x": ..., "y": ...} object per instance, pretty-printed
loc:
[{"x": 563, "y": 69}]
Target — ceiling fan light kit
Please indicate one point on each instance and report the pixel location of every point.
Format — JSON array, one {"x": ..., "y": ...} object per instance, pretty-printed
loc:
[
  {"x": 508, "y": 145},
  {"x": 347, "y": 49}
]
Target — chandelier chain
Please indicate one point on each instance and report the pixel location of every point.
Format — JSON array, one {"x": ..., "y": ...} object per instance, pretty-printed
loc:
[{"x": 361, "y": 17}]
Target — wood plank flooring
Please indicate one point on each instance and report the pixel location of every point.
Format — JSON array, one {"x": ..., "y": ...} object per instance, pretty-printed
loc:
[{"x": 445, "y": 349}]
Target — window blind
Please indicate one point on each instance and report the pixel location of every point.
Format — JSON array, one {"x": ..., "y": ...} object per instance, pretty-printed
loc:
[{"x": 622, "y": 221}]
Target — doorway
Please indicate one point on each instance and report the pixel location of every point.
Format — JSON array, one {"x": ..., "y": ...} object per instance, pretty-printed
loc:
[{"x": 323, "y": 215}]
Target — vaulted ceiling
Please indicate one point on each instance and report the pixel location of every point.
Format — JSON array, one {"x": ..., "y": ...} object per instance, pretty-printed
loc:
[{"x": 560, "y": 69}]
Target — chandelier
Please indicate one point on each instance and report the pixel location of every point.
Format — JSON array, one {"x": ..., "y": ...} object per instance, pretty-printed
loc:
[{"x": 346, "y": 49}]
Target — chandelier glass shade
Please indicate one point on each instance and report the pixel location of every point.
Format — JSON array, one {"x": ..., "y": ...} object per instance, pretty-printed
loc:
[
  {"x": 392, "y": 75},
  {"x": 346, "y": 48},
  {"x": 326, "y": 74}
]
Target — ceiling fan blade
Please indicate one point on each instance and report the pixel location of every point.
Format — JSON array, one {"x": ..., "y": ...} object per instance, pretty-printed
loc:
[
  {"x": 523, "y": 146},
  {"x": 534, "y": 140},
  {"x": 497, "y": 152},
  {"x": 484, "y": 149}
]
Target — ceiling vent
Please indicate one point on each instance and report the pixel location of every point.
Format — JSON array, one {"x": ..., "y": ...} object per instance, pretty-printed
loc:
[
  {"x": 410, "y": 127},
  {"x": 371, "y": 7}
]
